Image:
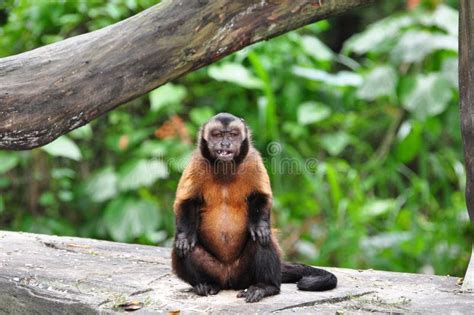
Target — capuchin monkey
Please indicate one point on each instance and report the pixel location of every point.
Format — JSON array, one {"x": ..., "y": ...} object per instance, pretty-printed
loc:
[{"x": 223, "y": 206}]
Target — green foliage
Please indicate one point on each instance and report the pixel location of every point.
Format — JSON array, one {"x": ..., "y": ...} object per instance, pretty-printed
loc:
[
  {"x": 169, "y": 95},
  {"x": 128, "y": 218},
  {"x": 235, "y": 73},
  {"x": 65, "y": 147},
  {"x": 7, "y": 161},
  {"x": 312, "y": 112},
  {"x": 363, "y": 146}
]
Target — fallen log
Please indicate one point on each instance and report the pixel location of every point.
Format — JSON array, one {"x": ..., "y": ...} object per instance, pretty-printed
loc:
[{"x": 43, "y": 274}]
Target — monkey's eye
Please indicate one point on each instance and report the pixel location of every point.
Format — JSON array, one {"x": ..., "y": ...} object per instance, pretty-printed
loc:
[
  {"x": 215, "y": 133},
  {"x": 234, "y": 133}
]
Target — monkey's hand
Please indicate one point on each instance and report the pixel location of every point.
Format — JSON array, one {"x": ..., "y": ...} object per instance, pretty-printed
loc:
[
  {"x": 184, "y": 244},
  {"x": 260, "y": 232}
]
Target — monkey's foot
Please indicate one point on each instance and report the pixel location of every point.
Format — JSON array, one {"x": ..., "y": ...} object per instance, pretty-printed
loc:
[
  {"x": 205, "y": 289},
  {"x": 252, "y": 294}
]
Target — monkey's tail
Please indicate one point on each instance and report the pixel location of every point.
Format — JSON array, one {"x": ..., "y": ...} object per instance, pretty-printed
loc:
[{"x": 307, "y": 278}]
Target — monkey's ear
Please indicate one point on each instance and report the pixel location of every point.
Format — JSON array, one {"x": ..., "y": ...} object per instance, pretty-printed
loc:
[
  {"x": 247, "y": 133},
  {"x": 246, "y": 129},
  {"x": 202, "y": 132}
]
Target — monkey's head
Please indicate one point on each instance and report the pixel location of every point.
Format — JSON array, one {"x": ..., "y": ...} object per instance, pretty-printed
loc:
[{"x": 224, "y": 138}]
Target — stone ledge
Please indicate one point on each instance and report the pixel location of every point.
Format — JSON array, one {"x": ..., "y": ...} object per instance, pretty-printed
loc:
[{"x": 50, "y": 274}]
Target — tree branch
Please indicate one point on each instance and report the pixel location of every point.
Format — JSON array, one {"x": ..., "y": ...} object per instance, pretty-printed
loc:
[
  {"x": 46, "y": 92},
  {"x": 466, "y": 90}
]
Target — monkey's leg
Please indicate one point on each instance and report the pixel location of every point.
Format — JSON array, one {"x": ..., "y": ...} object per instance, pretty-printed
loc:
[
  {"x": 191, "y": 262},
  {"x": 262, "y": 262},
  {"x": 200, "y": 269},
  {"x": 261, "y": 255}
]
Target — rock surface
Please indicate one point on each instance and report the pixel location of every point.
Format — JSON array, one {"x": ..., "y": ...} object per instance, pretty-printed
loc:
[{"x": 49, "y": 275}]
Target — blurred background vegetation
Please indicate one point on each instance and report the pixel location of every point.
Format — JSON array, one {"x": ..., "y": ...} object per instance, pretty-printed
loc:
[{"x": 371, "y": 96}]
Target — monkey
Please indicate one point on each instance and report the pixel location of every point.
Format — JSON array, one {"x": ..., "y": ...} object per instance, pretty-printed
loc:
[{"x": 222, "y": 209}]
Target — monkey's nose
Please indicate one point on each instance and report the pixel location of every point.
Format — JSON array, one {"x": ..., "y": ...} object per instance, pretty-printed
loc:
[{"x": 225, "y": 144}]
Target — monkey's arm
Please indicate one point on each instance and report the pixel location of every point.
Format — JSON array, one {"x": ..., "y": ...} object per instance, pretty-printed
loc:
[
  {"x": 260, "y": 203},
  {"x": 259, "y": 207},
  {"x": 187, "y": 207},
  {"x": 187, "y": 224}
]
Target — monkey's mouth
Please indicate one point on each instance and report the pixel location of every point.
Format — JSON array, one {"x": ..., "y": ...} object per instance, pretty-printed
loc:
[{"x": 224, "y": 154}]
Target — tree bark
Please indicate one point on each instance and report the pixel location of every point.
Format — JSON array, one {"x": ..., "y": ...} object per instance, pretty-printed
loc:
[
  {"x": 466, "y": 90},
  {"x": 46, "y": 92}
]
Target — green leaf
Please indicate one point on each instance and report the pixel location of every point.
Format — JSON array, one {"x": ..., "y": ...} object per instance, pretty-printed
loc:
[
  {"x": 405, "y": 86},
  {"x": 334, "y": 184},
  {"x": 315, "y": 48},
  {"x": 200, "y": 115},
  {"x": 102, "y": 185},
  {"x": 429, "y": 96},
  {"x": 138, "y": 173},
  {"x": 63, "y": 147},
  {"x": 131, "y": 4},
  {"x": 50, "y": 39},
  {"x": 450, "y": 71},
  {"x": 312, "y": 112},
  {"x": 375, "y": 37},
  {"x": 444, "y": 17},
  {"x": 378, "y": 207},
  {"x": 167, "y": 95},
  {"x": 8, "y": 161},
  {"x": 318, "y": 27},
  {"x": 415, "y": 45},
  {"x": 294, "y": 129},
  {"x": 235, "y": 73},
  {"x": 342, "y": 78},
  {"x": 152, "y": 148},
  {"x": 114, "y": 11},
  {"x": 381, "y": 81},
  {"x": 127, "y": 218},
  {"x": 82, "y": 133},
  {"x": 410, "y": 141},
  {"x": 70, "y": 19},
  {"x": 385, "y": 240},
  {"x": 47, "y": 199},
  {"x": 62, "y": 172},
  {"x": 65, "y": 195},
  {"x": 335, "y": 143},
  {"x": 5, "y": 182}
]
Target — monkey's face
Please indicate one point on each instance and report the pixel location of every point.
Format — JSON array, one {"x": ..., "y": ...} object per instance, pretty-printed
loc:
[
  {"x": 224, "y": 143},
  {"x": 224, "y": 138}
]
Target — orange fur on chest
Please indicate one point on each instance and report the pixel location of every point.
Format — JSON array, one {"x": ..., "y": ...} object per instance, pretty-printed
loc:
[
  {"x": 224, "y": 218},
  {"x": 223, "y": 215}
]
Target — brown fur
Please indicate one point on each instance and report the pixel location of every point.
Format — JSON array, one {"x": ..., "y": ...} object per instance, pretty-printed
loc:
[{"x": 225, "y": 216}]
